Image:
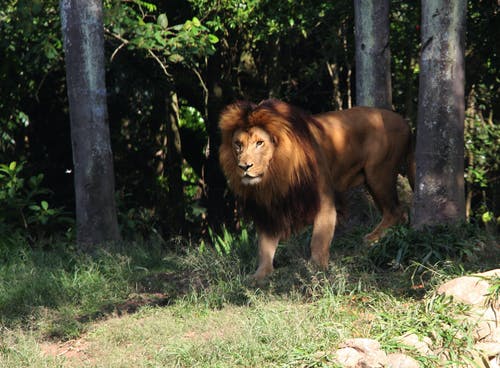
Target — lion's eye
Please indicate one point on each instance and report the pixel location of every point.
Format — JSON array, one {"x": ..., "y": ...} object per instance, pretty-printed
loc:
[
  {"x": 259, "y": 143},
  {"x": 238, "y": 145}
]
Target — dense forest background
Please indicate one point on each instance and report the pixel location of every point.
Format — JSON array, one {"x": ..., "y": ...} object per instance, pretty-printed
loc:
[{"x": 172, "y": 66}]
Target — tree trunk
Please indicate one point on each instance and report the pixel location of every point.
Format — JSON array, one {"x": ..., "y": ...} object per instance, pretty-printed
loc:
[
  {"x": 83, "y": 34},
  {"x": 439, "y": 190},
  {"x": 373, "y": 57},
  {"x": 168, "y": 193},
  {"x": 175, "y": 220},
  {"x": 372, "y": 85},
  {"x": 220, "y": 210}
]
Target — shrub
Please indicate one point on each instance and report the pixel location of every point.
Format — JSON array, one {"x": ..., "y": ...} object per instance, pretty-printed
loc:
[{"x": 24, "y": 204}]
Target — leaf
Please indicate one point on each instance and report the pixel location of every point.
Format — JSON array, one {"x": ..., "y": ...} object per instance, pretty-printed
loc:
[
  {"x": 175, "y": 58},
  {"x": 12, "y": 166},
  {"x": 162, "y": 20},
  {"x": 196, "y": 22},
  {"x": 159, "y": 38},
  {"x": 45, "y": 205},
  {"x": 213, "y": 38}
]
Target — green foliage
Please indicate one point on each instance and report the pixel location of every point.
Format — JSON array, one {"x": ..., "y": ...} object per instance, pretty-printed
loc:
[
  {"x": 139, "y": 26},
  {"x": 482, "y": 149},
  {"x": 226, "y": 243},
  {"x": 22, "y": 203},
  {"x": 30, "y": 48},
  {"x": 191, "y": 119},
  {"x": 402, "y": 246},
  {"x": 493, "y": 296}
]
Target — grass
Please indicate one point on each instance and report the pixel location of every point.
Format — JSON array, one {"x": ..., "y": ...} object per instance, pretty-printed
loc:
[{"x": 141, "y": 305}]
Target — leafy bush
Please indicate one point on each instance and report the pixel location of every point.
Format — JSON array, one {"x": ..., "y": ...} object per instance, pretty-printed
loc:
[{"x": 24, "y": 205}]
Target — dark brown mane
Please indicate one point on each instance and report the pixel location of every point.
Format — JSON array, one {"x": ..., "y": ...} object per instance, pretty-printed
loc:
[{"x": 289, "y": 198}]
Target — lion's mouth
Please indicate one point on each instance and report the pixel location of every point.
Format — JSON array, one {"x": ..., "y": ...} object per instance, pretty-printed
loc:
[{"x": 251, "y": 180}]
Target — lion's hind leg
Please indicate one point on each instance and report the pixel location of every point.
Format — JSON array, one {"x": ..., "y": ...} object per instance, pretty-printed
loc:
[{"x": 383, "y": 188}]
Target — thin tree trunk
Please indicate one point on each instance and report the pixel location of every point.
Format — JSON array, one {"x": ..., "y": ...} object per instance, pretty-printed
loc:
[
  {"x": 348, "y": 66},
  {"x": 82, "y": 29},
  {"x": 373, "y": 57},
  {"x": 439, "y": 191},
  {"x": 333, "y": 70},
  {"x": 168, "y": 195},
  {"x": 174, "y": 167}
]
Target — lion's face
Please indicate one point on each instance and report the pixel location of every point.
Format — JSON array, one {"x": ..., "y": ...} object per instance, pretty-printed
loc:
[{"x": 253, "y": 149}]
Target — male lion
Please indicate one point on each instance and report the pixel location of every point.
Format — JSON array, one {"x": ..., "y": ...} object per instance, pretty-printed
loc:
[{"x": 286, "y": 167}]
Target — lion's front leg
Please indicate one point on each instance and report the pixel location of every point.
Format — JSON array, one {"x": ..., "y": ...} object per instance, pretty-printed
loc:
[
  {"x": 322, "y": 235},
  {"x": 267, "y": 248}
]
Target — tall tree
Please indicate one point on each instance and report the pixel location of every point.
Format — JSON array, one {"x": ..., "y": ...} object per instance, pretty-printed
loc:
[
  {"x": 439, "y": 189},
  {"x": 373, "y": 56},
  {"x": 83, "y": 35}
]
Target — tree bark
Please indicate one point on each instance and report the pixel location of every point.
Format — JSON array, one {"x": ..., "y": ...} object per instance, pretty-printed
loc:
[
  {"x": 83, "y": 35},
  {"x": 220, "y": 210},
  {"x": 373, "y": 56},
  {"x": 439, "y": 190},
  {"x": 372, "y": 82},
  {"x": 175, "y": 220}
]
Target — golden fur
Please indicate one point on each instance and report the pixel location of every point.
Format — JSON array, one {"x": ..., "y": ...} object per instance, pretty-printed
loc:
[{"x": 286, "y": 167}]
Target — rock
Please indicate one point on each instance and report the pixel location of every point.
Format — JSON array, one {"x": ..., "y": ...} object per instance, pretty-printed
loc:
[
  {"x": 361, "y": 353},
  {"x": 398, "y": 360},
  {"x": 348, "y": 357},
  {"x": 471, "y": 290},
  {"x": 484, "y": 316},
  {"x": 490, "y": 349},
  {"x": 487, "y": 324},
  {"x": 362, "y": 344},
  {"x": 412, "y": 340}
]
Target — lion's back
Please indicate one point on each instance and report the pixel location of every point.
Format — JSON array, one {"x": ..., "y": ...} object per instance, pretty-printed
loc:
[{"x": 361, "y": 137}]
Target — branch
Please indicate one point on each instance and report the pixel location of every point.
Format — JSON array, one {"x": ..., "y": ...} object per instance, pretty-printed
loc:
[
  {"x": 203, "y": 85},
  {"x": 123, "y": 41},
  {"x": 163, "y": 66},
  {"x": 126, "y": 42}
]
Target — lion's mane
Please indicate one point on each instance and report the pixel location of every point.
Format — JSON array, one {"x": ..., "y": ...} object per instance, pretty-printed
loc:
[{"x": 288, "y": 196}]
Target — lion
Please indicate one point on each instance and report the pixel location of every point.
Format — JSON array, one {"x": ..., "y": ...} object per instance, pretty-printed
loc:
[{"x": 287, "y": 168}]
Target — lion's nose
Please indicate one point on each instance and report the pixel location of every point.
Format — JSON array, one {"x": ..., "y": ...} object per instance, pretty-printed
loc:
[{"x": 245, "y": 167}]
